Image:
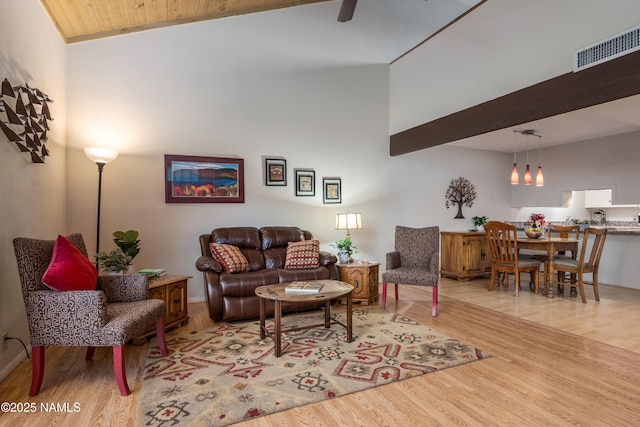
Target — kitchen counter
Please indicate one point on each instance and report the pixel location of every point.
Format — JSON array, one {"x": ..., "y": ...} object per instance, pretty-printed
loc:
[{"x": 613, "y": 227}]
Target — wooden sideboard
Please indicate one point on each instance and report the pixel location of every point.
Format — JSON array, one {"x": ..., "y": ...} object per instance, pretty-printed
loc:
[
  {"x": 464, "y": 255},
  {"x": 364, "y": 279},
  {"x": 172, "y": 289}
]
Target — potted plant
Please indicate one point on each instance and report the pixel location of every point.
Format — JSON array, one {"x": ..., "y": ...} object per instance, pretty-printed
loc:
[
  {"x": 479, "y": 221},
  {"x": 113, "y": 262},
  {"x": 128, "y": 242},
  {"x": 345, "y": 249}
]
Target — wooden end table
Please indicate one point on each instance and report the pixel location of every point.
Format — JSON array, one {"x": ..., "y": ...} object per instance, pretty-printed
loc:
[
  {"x": 331, "y": 290},
  {"x": 363, "y": 276},
  {"x": 172, "y": 289}
]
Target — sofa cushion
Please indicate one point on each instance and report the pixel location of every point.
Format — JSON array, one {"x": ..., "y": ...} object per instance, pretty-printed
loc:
[
  {"x": 275, "y": 240},
  {"x": 69, "y": 269},
  {"x": 303, "y": 254},
  {"x": 247, "y": 239},
  {"x": 279, "y": 237},
  {"x": 230, "y": 257}
]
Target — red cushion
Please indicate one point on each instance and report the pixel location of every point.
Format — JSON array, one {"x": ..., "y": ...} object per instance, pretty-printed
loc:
[
  {"x": 303, "y": 254},
  {"x": 231, "y": 258},
  {"x": 69, "y": 269}
]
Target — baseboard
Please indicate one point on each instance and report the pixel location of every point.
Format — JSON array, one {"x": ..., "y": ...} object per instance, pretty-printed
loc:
[
  {"x": 198, "y": 299},
  {"x": 13, "y": 364}
]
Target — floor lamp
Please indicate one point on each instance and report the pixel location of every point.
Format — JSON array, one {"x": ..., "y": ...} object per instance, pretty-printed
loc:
[{"x": 100, "y": 156}]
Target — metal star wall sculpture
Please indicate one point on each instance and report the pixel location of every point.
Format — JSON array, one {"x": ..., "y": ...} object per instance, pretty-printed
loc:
[{"x": 24, "y": 112}]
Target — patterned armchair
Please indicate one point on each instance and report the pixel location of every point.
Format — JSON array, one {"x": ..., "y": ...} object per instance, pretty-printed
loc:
[
  {"x": 415, "y": 261},
  {"x": 107, "y": 317}
]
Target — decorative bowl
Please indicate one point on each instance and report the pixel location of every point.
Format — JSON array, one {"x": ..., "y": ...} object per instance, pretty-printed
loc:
[{"x": 533, "y": 234}]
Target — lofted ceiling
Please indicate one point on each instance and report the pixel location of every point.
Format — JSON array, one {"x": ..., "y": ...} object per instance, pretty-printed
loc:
[
  {"x": 80, "y": 20},
  {"x": 392, "y": 27}
]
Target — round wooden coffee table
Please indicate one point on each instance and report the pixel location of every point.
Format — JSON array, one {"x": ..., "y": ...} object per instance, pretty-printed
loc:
[{"x": 331, "y": 290}]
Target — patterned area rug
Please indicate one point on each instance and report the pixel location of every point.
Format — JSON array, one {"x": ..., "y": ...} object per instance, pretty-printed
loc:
[{"x": 227, "y": 374}]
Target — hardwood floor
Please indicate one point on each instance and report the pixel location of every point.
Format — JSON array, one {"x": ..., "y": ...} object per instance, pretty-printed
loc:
[{"x": 555, "y": 362}]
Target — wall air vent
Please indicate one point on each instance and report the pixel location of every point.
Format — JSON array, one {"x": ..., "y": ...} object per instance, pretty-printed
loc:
[{"x": 613, "y": 47}]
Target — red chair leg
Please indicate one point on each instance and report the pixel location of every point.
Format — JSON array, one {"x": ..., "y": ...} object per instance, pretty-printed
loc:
[
  {"x": 383, "y": 297},
  {"x": 396, "y": 292},
  {"x": 90, "y": 352},
  {"x": 434, "y": 300},
  {"x": 37, "y": 366},
  {"x": 119, "y": 370},
  {"x": 160, "y": 334}
]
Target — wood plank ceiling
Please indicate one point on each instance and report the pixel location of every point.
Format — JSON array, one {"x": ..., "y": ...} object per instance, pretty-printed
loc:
[{"x": 80, "y": 20}]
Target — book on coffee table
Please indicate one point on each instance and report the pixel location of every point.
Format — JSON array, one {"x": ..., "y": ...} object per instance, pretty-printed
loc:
[{"x": 303, "y": 287}]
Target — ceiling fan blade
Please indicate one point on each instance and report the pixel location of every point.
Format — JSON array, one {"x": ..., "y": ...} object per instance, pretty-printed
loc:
[{"x": 346, "y": 11}]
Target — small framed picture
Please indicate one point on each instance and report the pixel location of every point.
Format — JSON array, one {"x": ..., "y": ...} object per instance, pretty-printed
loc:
[
  {"x": 331, "y": 190},
  {"x": 305, "y": 182},
  {"x": 275, "y": 172}
]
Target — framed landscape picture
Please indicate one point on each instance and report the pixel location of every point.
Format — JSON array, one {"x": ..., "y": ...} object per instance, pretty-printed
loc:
[
  {"x": 305, "y": 182},
  {"x": 331, "y": 190},
  {"x": 197, "y": 179},
  {"x": 275, "y": 172}
]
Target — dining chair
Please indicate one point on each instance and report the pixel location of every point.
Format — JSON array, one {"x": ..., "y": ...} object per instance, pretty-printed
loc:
[
  {"x": 68, "y": 304},
  {"x": 415, "y": 261},
  {"x": 502, "y": 241},
  {"x": 562, "y": 231},
  {"x": 577, "y": 268}
]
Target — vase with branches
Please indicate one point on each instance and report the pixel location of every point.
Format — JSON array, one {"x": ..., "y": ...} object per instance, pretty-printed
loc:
[{"x": 460, "y": 192}]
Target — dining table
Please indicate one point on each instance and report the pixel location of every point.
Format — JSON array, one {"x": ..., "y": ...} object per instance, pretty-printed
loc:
[{"x": 550, "y": 245}]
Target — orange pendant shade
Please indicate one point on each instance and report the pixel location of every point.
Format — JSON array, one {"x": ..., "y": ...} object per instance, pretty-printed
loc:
[
  {"x": 539, "y": 178},
  {"x": 515, "y": 178},
  {"x": 527, "y": 176}
]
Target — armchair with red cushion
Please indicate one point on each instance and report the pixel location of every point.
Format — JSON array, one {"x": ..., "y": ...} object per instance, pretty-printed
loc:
[{"x": 68, "y": 304}]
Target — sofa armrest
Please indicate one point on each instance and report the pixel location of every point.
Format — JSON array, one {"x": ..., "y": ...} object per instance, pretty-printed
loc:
[
  {"x": 125, "y": 287},
  {"x": 327, "y": 258},
  {"x": 393, "y": 260},
  {"x": 72, "y": 318},
  {"x": 207, "y": 263}
]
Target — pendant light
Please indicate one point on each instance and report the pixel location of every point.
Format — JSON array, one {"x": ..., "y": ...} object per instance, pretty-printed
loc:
[
  {"x": 515, "y": 178},
  {"x": 539, "y": 177},
  {"x": 527, "y": 172}
]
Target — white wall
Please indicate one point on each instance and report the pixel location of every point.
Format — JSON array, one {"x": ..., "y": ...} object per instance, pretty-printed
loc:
[
  {"x": 501, "y": 47},
  {"x": 232, "y": 99},
  {"x": 162, "y": 93},
  {"x": 32, "y": 195}
]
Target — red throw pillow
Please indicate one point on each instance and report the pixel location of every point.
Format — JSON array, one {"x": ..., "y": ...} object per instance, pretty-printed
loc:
[
  {"x": 232, "y": 260},
  {"x": 69, "y": 269},
  {"x": 303, "y": 254}
]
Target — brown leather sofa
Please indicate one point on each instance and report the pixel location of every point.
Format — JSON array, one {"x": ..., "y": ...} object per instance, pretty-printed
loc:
[{"x": 231, "y": 296}]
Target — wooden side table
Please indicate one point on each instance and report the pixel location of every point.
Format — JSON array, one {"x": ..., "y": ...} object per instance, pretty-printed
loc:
[
  {"x": 364, "y": 279},
  {"x": 172, "y": 289},
  {"x": 464, "y": 255}
]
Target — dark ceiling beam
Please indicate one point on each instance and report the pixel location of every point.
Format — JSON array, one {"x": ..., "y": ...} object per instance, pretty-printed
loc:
[{"x": 615, "y": 79}]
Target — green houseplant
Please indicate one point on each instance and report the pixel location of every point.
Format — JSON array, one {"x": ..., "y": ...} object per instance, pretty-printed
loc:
[
  {"x": 128, "y": 242},
  {"x": 479, "y": 221},
  {"x": 346, "y": 248},
  {"x": 114, "y": 261}
]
